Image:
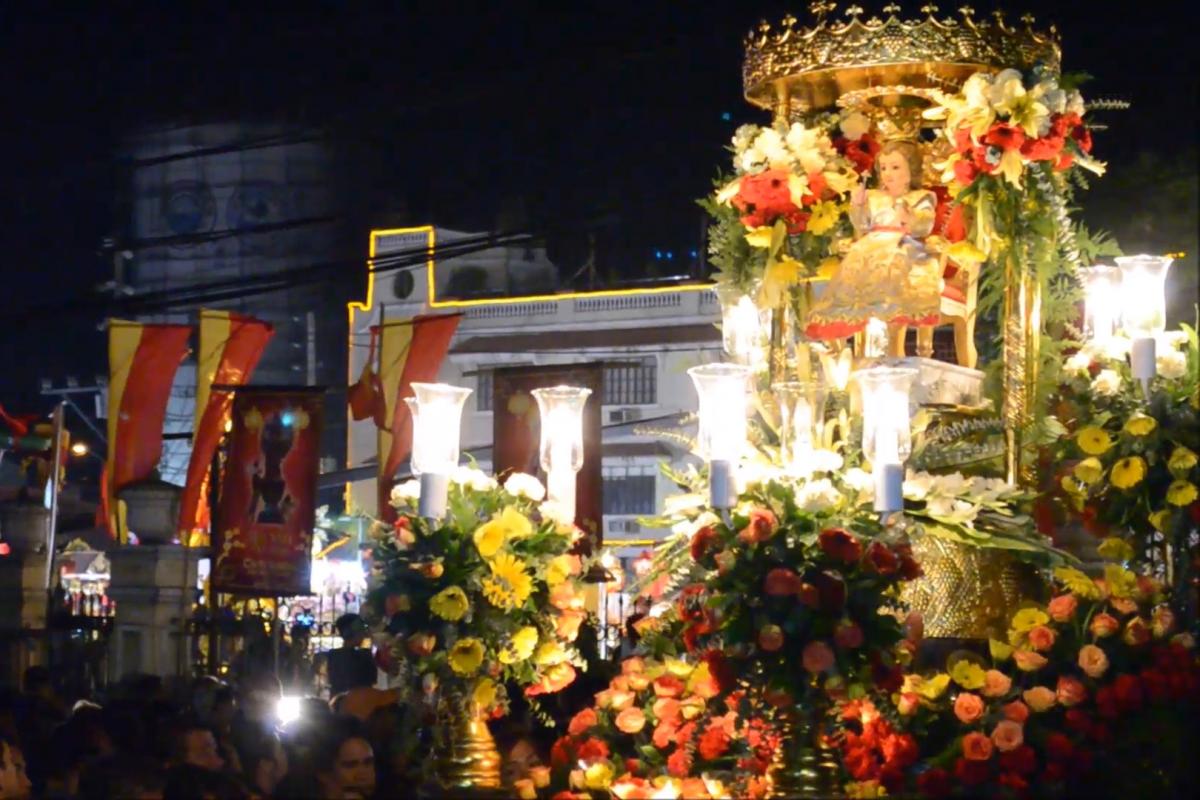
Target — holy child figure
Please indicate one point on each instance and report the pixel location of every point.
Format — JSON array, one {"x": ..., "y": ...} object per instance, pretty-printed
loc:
[{"x": 887, "y": 273}]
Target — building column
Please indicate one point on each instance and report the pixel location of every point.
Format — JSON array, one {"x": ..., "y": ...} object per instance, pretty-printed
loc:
[{"x": 154, "y": 587}]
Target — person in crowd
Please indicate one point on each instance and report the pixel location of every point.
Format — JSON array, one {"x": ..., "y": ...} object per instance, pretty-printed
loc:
[
  {"x": 193, "y": 783},
  {"x": 14, "y": 783},
  {"x": 350, "y": 666},
  {"x": 344, "y": 763},
  {"x": 263, "y": 760},
  {"x": 194, "y": 744},
  {"x": 258, "y": 703},
  {"x": 125, "y": 777}
]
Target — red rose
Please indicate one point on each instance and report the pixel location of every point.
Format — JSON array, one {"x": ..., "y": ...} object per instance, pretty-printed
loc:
[
  {"x": 770, "y": 638},
  {"x": 840, "y": 544},
  {"x": 881, "y": 559},
  {"x": 976, "y": 746},
  {"x": 1022, "y": 760},
  {"x": 703, "y": 541},
  {"x": 934, "y": 782},
  {"x": 831, "y": 590},
  {"x": 781, "y": 582},
  {"x": 1077, "y": 720},
  {"x": 560, "y": 753},
  {"x": 720, "y": 669},
  {"x": 797, "y": 221},
  {"x": 1005, "y": 136},
  {"x": 582, "y": 722},
  {"x": 633, "y": 766},
  {"x": 1083, "y": 137},
  {"x": 759, "y": 527},
  {"x": 1128, "y": 692},
  {"x": 668, "y": 686},
  {"x": 1058, "y": 747},
  {"x": 1046, "y": 148},
  {"x": 1013, "y": 781},
  {"x": 763, "y": 198},
  {"x": 809, "y": 595},
  {"x": 713, "y": 742},
  {"x": 679, "y": 764},
  {"x": 1155, "y": 684},
  {"x": 848, "y": 636},
  {"x": 592, "y": 750},
  {"x": 972, "y": 773}
]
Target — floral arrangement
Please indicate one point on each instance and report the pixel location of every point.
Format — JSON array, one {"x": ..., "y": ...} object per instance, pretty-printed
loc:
[
  {"x": 1126, "y": 467},
  {"x": 778, "y": 219},
  {"x": 1037, "y": 719},
  {"x": 663, "y": 727},
  {"x": 490, "y": 594}
]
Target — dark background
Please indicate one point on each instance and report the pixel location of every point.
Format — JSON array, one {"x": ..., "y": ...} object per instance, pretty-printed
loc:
[{"x": 564, "y": 118}]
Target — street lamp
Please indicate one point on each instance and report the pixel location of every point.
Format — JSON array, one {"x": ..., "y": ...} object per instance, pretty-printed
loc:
[
  {"x": 1144, "y": 310},
  {"x": 79, "y": 449},
  {"x": 437, "y": 419},
  {"x": 887, "y": 436},
  {"x": 561, "y": 451},
  {"x": 722, "y": 430},
  {"x": 1102, "y": 299}
]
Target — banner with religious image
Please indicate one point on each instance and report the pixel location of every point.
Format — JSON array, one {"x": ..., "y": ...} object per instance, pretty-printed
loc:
[
  {"x": 516, "y": 433},
  {"x": 267, "y": 504}
]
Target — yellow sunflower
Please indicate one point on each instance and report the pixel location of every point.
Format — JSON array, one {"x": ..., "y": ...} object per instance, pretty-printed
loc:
[
  {"x": 1181, "y": 461},
  {"x": 509, "y": 585},
  {"x": 450, "y": 604},
  {"x": 549, "y": 653},
  {"x": 484, "y": 693},
  {"x": 824, "y": 217},
  {"x": 1077, "y": 583},
  {"x": 1140, "y": 425},
  {"x": 508, "y": 524},
  {"x": 1090, "y": 470},
  {"x": 1093, "y": 441},
  {"x": 466, "y": 656},
  {"x": 1000, "y": 651},
  {"x": 1128, "y": 472},
  {"x": 1120, "y": 581},
  {"x": 520, "y": 645},
  {"x": 1027, "y": 619},
  {"x": 1181, "y": 493},
  {"x": 1115, "y": 549}
]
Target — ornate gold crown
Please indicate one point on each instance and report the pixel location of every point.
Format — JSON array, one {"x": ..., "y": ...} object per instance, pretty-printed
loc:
[{"x": 793, "y": 69}]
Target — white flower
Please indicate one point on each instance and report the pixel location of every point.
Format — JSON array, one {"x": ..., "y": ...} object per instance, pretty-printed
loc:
[
  {"x": 950, "y": 510},
  {"x": 1077, "y": 365},
  {"x": 1107, "y": 383},
  {"x": 556, "y": 513},
  {"x": 1170, "y": 339},
  {"x": 750, "y": 161},
  {"x": 1075, "y": 103},
  {"x": 1171, "y": 364},
  {"x": 1053, "y": 97},
  {"x": 826, "y": 460},
  {"x": 688, "y": 527},
  {"x": 755, "y": 471},
  {"x": 859, "y": 480},
  {"x": 855, "y": 125},
  {"x": 473, "y": 478},
  {"x": 521, "y": 484},
  {"x": 743, "y": 137},
  {"x": 987, "y": 490},
  {"x": 808, "y": 146},
  {"x": 772, "y": 147},
  {"x": 1117, "y": 347},
  {"x": 677, "y": 505},
  {"x": 818, "y": 495},
  {"x": 917, "y": 485},
  {"x": 949, "y": 485},
  {"x": 406, "y": 493}
]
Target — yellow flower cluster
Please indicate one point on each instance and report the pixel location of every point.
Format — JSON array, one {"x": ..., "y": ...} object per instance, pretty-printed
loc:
[
  {"x": 509, "y": 524},
  {"x": 509, "y": 585},
  {"x": 466, "y": 656},
  {"x": 450, "y": 604}
]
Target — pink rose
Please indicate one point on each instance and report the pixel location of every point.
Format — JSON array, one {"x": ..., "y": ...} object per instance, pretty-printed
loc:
[
  {"x": 1016, "y": 711},
  {"x": 1042, "y": 638},
  {"x": 1008, "y": 735},
  {"x": 968, "y": 707},
  {"x": 817, "y": 657},
  {"x": 848, "y": 636},
  {"x": 1029, "y": 661},
  {"x": 996, "y": 683},
  {"x": 1071, "y": 691},
  {"x": 631, "y": 720},
  {"x": 1092, "y": 660},
  {"x": 1062, "y": 608},
  {"x": 1104, "y": 625},
  {"x": 1040, "y": 698}
]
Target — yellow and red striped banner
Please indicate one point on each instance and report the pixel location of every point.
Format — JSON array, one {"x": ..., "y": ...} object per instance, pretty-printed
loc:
[
  {"x": 410, "y": 351},
  {"x": 230, "y": 347},
  {"x": 142, "y": 361}
]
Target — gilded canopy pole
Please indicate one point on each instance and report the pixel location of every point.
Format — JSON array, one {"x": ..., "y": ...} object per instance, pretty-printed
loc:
[
  {"x": 1022, "y": 341},
  {"x": 777, "y": 363}
]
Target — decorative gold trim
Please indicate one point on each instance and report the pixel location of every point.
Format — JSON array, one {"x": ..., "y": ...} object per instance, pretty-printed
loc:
[{"x": 809, "y": 68}]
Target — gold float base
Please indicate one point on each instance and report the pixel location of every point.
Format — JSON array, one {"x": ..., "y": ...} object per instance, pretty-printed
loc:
[{"x": 468, "y": 764}]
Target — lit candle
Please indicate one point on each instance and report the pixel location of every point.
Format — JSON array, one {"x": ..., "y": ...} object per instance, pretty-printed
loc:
[
  {"x": 887, "y": 437},
  {"x": 802, "y": 418},
  {"x": 437, "y": 419},
  {"x": 561, "y": 450},
  {"x": 1144, "y": 311},
  {"x": 721, "y": 436},
  {"x": 1102, "y": 298}
]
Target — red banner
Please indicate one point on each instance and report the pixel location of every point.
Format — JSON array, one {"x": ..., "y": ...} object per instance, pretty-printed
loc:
[
  {"x": 516, "y": 433},
  {"x": 267, "y": 505},
  {"x": 230, "y": 346},
  {"x": 142, "y": 360}
]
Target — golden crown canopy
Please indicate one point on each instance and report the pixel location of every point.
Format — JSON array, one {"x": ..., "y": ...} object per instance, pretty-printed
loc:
[{"x": 792, "y": 69}]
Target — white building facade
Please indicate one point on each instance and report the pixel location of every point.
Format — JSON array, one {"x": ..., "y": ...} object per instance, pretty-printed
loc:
[{"x": 647, "y": 338}]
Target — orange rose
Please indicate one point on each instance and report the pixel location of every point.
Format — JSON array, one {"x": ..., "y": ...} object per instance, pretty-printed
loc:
[
  {"x": 638, "y": 683},
  {"x": 1123, "y": 605},
  {"x": 1071, "y": 691},
  {"x": 1008, "y": 735},
  {"x": 1016, "y": 711},
  {"x": 631, "y": 720},
  {"x": 634, "y": 665},
  {"x": 1092, "y": 660},
  {"x": 1029, "y": 661},
  {"x": 619, "y": 684},
  {"x": 666, "y": 709},
  {"x": 1042, "y": 638},
  {"x": 1104, "y": 625},
  {"x": 540, "y": 776},
  {"x": 525, "y": 789},
  {"x": 582, "y": 722},
  {"x": 968, "y": 707},
  {"x": 1136, "y": 632},
  {"x": 1062, "y": 608},
  {"x": 668, "y": 686},
  {"x": 621, "y": 700},
  {"x": 565, "y": 598},
  {"x": 1040, "y": 698},
  {"x": 976, "y": 747},
  {"x": 817, "y": 657},
  {"x": 664, "y": 734},
  {"x": 908, "y": 703},
  {"x": 996, "y": 683},
  {"x": 566, "y": 626},
  {"x": 421, "y": 644},
  {"x": 760, "y": 525}
]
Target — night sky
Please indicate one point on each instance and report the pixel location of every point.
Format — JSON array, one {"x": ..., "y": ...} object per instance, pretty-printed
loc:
[{"x": 595, "y": 113}]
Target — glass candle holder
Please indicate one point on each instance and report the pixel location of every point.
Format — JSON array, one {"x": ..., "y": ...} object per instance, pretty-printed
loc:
[
  {"x": 561, "y": 449},
  {"x": 887, "y": 432},
  {"x": 1143, "y": 310},
  {"x": 437, "y": 422},
  {"x": 801, "y": 424},
  {"x": 745, "y": 328},
  {"x": 1102, "y": 301},
  {"x": 722, "y": 428}
]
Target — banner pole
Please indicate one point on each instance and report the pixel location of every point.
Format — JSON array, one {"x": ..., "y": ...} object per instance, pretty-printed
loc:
[{"x": 214, "y": 475}]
